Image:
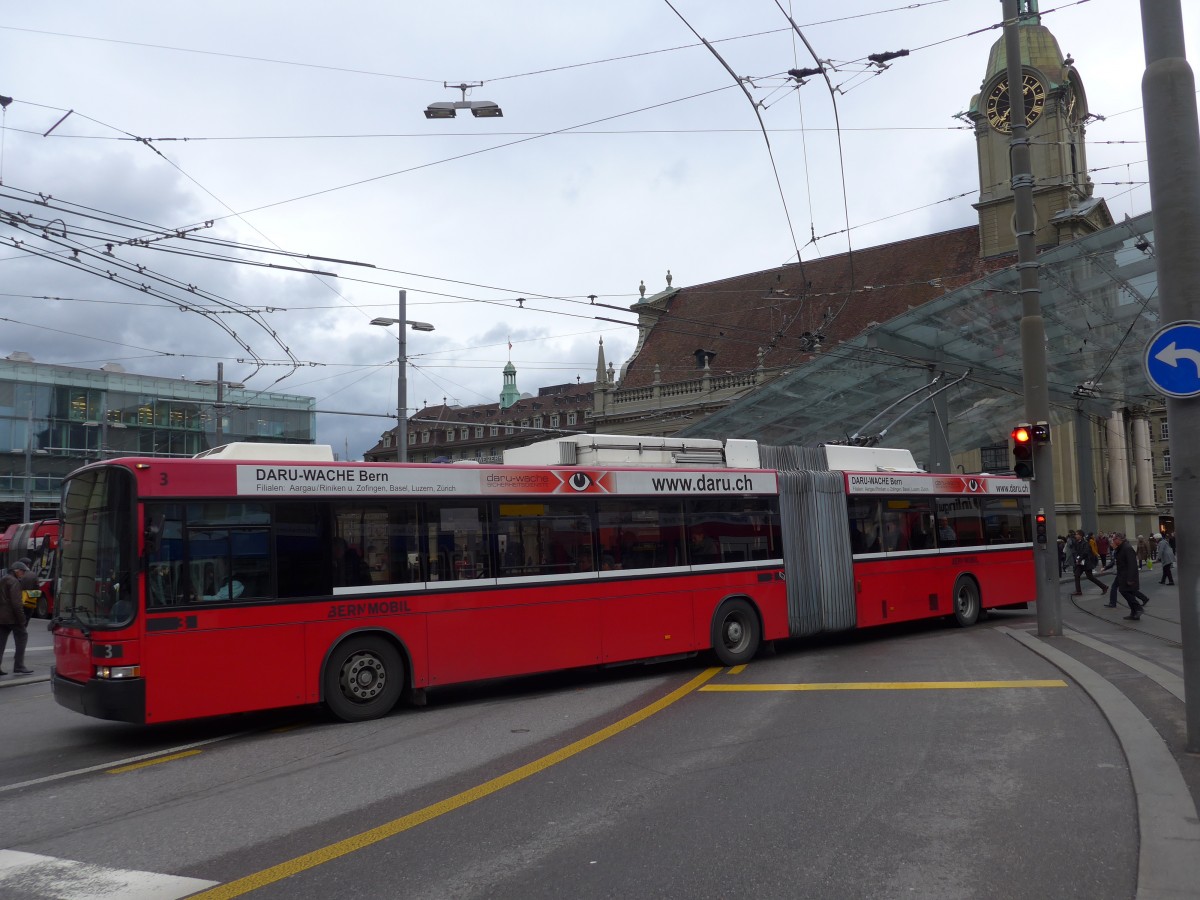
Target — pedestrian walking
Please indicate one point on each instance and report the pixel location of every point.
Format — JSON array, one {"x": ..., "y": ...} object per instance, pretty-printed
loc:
[
  {"x": 31, "y": 588},
  {"x": 1166, "y": 557},
  {"x": 1143, "y": 550},
  {"x": 1085, "y": 561},
  {"x": 1102, "y": 548},
  {"x": 12, "y": 617},
  {"x": 1127, "y": 577}
]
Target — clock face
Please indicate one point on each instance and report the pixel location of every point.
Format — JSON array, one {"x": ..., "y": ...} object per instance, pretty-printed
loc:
[{"x": 998, "y": 109}]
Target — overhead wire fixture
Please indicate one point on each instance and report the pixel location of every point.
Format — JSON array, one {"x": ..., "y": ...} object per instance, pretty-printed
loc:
[{"x": 447, "y": 109}]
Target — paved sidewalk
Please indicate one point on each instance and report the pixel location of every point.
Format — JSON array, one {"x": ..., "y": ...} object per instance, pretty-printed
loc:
[{"x": 1133, "y": 671}]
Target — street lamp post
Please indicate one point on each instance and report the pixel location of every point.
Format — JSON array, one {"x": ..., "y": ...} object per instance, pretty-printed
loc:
[
  {"x": 402, "y": 377},
  {"x": 219, "y": 406}
]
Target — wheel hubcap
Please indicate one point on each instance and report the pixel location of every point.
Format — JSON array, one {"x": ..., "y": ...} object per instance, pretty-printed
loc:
[
  {"x": 734, "y": 633},
  {"x": 363, "y": 677}
]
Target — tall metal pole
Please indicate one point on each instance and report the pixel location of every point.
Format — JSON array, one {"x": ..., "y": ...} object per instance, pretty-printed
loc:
[
  {"x": 402, "y": 386},
  {"x": 219, "y": 408},
  {"x": 1033, "y": 331},
  {"x": 1173, "y": 153},
  {"x": 27, "y": 509}
]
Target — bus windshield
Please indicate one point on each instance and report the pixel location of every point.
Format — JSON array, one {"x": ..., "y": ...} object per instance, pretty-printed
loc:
[{"x": 97, "y": 550}]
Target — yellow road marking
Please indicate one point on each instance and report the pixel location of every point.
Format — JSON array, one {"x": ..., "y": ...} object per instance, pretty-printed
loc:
[
  {"x": 152, "y": 762},
  {"x": 404, "y": 823},
  {"x": 883, "y": 686},
  {"x": 738, "y": 670}
]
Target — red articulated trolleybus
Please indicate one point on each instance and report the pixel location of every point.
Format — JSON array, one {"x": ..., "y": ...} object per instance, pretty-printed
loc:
[{"x": 261, "y": 576}]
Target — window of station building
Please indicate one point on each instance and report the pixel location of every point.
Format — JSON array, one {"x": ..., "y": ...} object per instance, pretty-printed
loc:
[
  {"x": 424, "y": 437},
  {"x": 509, "y": 429},
  {"x": 571, "y": 418},
  {"x": 552, "y": 538},
  {"x": 640, "y": 534},
  {"x": 1006, "y": 520},
  {"x": 464, "y": 433},
  {"x": 959, "y": 522},
  {"x": 494, "y": 430},
  {"x": 554, "y": 421},
  {"x": 537, "y": 421},
  {"x": 732, "y": 529},
  {"x": 478, "y": 431},
  {"x": 995, "y": 458}
]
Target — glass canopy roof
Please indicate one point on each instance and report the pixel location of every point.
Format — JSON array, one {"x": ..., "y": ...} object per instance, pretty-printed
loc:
[{"x": 1099, "y": 305}]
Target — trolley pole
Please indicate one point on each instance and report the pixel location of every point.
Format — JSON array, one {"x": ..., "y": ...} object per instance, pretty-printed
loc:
[
  {"x": 1173, "y": 152},
  {"x": 1033, "y": 334}
]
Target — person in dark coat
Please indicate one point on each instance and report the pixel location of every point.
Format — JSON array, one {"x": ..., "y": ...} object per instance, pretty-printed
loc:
[
  {"x": 1127, "y": 577},
  {"x": 12, "y": 617},
  {"x": 1085, "y": 561}
]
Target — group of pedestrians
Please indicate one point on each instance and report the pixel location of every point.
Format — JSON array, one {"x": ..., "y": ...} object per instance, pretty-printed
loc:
[{"x": 1114, "y": 553}]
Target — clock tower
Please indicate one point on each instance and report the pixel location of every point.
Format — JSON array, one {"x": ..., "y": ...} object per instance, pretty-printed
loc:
[{"x": 1055, "y": 114}]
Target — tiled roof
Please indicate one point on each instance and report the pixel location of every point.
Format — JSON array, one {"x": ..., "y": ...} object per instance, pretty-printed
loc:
[{"x": 836, "y": 297}]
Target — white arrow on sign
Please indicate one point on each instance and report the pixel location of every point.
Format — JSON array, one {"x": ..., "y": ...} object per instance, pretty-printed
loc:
[{"x": 1171, "y": 355}]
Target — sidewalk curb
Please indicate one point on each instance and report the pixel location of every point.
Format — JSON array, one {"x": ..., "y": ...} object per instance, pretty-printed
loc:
[
  {"x": 14, "y": 680},
  {"x": 1169, "y": 832}
]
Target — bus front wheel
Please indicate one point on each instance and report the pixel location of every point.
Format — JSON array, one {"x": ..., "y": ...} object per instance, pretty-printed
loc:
[
  {"x": 967, "y": 605},
  {"x": 364, "y": 678},
  {"x": 735, "y": 633}
]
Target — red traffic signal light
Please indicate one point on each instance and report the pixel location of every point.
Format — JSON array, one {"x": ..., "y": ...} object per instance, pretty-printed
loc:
[{"x": 1022, "y": 437}]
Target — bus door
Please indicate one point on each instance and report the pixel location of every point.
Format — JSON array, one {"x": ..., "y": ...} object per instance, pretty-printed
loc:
[{"x": 210, "y": 648}]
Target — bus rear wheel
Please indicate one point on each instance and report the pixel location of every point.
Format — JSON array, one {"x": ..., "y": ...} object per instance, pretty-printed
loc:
[
  {"x": 967, "y": 606},
  {"x": 735, "y": 633},
  {"x": 364, "y": 678}
]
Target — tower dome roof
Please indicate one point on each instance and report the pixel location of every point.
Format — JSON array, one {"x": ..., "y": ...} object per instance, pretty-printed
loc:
[{"x": 1039, "y": 50}]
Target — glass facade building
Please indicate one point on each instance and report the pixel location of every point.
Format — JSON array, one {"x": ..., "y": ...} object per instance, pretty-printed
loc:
[{"x": 54, "y": 419}]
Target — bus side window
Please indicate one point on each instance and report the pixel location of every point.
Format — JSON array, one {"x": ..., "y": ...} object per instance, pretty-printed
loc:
[{"x": 864, "y": 525}]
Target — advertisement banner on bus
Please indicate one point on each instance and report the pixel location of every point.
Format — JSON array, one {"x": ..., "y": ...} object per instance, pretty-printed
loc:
[
  {"x": 889, "y": 483},
  {"x": 260, "y": 480}
]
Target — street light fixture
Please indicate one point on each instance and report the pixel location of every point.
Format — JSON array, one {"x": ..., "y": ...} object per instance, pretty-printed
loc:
[
  {"x": 446, "y": 109},
  {"x": 402, "y": 377}
]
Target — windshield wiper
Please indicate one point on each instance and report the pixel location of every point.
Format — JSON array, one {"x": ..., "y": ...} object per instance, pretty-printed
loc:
[{"x": 73, "y": 620}]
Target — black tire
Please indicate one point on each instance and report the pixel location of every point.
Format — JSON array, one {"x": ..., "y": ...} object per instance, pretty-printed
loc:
[
  {"x": 967, "y": 605},
  {"x": 43, "y": 609},
  {"x": 363, "y": 679},
  {"x": 735, "y": 632}
]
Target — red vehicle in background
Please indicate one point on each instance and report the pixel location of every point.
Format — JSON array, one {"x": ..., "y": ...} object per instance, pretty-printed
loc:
[{"x": 37, "y": 541}]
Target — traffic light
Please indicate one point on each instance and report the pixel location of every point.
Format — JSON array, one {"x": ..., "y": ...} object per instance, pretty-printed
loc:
[
  {"x": 1041, "y": 432},
  {"x": 1040, "y": 522},
  {"x": 1022, "y": 437}
]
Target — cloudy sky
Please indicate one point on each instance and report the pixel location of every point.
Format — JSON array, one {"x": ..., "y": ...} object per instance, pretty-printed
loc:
[{"x": 232, "y": 136}]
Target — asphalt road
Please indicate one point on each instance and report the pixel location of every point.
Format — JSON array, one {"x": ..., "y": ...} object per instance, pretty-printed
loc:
[{"x": 978, "y": 772}]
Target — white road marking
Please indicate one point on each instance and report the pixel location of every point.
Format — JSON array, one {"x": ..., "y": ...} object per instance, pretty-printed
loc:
[
  {"x": 32, "y": 875},
  {"x": 117, "y": 763}
]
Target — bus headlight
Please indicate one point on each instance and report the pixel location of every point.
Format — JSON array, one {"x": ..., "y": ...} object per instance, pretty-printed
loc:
[{"x": 112, "y": 672}]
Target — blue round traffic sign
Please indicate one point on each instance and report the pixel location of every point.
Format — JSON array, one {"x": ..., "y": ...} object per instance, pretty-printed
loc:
[{"x": 1172, "y": 359}]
